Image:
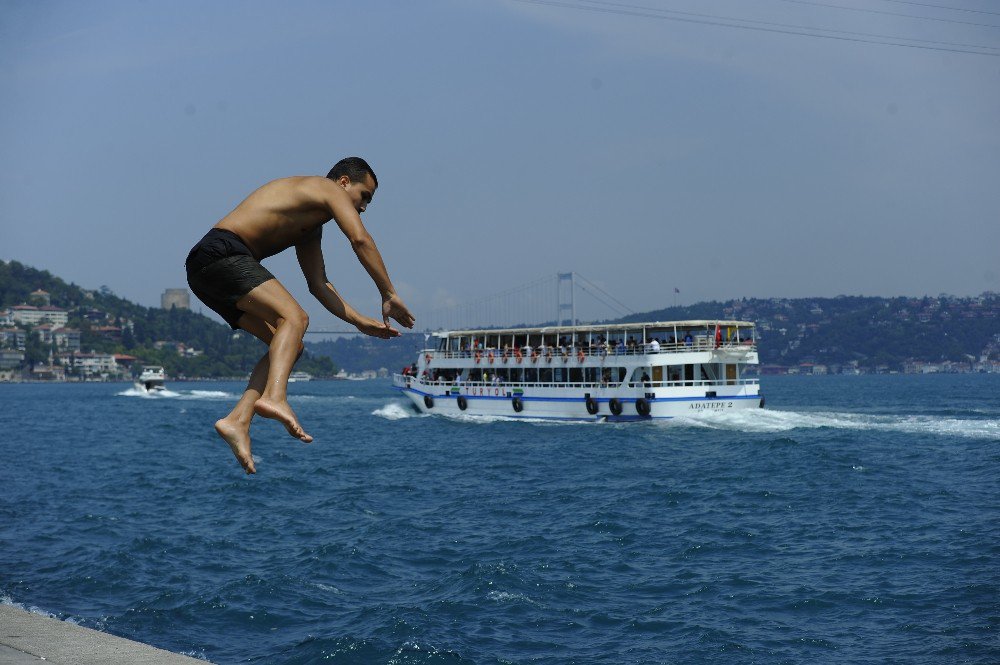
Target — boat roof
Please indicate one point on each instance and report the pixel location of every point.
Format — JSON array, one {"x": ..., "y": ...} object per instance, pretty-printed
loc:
[{"x": 610, "y": 327}]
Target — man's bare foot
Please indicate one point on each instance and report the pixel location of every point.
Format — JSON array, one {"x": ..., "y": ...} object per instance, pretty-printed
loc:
[
  {"x": 283, "y": 413},
  {"x": 238, "y": 439}
]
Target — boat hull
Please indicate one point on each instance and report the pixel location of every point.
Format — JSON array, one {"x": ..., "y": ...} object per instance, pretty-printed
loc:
[{"x": 559, "y": 404}]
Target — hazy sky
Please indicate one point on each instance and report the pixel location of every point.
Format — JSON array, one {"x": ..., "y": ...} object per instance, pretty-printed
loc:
[{"x": 646, "y": 144}]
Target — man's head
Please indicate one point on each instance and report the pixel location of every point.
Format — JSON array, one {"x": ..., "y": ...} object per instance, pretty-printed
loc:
[
  {"x": 354, "y": 168},
  {"x": 355, "y": 176}
]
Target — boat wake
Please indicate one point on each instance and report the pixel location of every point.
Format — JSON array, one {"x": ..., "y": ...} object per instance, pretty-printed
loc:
[
  {"x": 762, "y": 421},
  {"x": 142, "y": 393},
  {"x": 769, "y": 420},
  {"x": 397, "y": 411}
]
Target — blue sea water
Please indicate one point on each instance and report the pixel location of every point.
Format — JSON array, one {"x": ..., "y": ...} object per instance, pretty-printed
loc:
[{"x": 856, "y": 519}]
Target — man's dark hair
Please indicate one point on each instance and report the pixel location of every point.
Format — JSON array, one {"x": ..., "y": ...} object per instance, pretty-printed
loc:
[{"x": 354, "y": 168}]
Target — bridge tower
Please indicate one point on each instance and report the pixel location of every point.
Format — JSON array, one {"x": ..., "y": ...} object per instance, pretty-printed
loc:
[{"x": 565, "y": 300}]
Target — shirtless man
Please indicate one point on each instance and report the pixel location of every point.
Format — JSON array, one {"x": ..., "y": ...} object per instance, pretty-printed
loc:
[{"x": 224, "y": 271}]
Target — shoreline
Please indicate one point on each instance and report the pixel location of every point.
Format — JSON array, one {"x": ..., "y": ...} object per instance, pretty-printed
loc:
[{"x": 29, "y": 637}]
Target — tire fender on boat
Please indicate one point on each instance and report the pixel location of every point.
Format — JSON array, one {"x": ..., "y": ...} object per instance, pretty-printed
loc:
[
  {"x": 462, "y": 403},
  {"x": 516, "y": 402},
  {"x": 615, "y": 406},
  {"x": 428, "y": 401},
  {"x": 591, "y": 406},
  {"x": 642, "y": 406}
]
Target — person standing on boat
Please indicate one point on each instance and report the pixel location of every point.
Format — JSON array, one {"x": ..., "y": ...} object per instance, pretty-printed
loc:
[{"x": 224, "y": 271}]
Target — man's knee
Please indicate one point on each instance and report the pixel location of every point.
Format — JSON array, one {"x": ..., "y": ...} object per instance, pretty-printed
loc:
[{"x": 298, "y": 319}]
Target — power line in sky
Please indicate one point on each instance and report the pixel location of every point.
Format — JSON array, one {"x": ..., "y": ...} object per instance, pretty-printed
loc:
[
  {"x": 951, "y": 9},
  {"x": 885, "y": 13},
  {"x": 623, "y": 9}
]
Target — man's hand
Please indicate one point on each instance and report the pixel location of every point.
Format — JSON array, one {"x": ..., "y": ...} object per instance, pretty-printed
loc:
[
  {"x": 393, "y": 306},
  {"x": 374, "y": 328}
]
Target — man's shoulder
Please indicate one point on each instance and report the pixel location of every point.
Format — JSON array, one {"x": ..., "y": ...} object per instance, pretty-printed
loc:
[
  {"x": 298, "y": 181},
  {"x": 297, "y": 190}
]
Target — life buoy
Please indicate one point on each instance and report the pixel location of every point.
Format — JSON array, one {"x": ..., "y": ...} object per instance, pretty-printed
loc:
[
  {"x": 615, "y": 406},
  {"x": 518, "y": 357},
  {"x": 428, "y": 401},
  {"x": 642, "y": 406},
  {"x": 591, "y": 406},
  {"x": 517, "y": 404},
  {"x": 462, "y": 403},
  {"x": 489, "y": 356}
]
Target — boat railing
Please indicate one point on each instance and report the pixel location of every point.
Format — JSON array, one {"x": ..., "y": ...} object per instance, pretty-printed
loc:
[
  {"x": 405, "y": 380},
  {"x": 565, "y": 355}
]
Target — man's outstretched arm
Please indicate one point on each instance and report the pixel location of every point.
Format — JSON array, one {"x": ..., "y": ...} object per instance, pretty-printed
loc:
[
  {"x": 310, "y": 256},
  {"x": 350, "y": 224}
]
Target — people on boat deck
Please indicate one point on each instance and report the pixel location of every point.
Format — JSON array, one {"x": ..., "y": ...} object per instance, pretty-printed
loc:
[
  {"x": 654, "y": 345},
  {"x": 688, "y": 340}
]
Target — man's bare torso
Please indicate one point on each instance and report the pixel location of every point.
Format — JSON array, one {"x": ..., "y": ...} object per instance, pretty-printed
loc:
[{"x": 280, "y": 214}]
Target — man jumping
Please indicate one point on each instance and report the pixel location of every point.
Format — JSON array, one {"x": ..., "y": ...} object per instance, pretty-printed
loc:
[{"x": 224, "y": 271}]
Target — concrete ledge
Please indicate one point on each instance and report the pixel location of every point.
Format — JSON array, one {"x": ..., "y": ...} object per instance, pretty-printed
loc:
[{"x": 30, "y": 639}]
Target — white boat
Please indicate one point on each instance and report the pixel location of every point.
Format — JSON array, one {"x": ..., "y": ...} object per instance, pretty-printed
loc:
[
  {"x": 151, "y": 379},
  {"x": 299, "y": 376},
  {"x": 621, "y": 372}
]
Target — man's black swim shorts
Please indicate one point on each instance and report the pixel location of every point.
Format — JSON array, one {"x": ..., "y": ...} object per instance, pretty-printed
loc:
[{"x": 221, "y": 269}]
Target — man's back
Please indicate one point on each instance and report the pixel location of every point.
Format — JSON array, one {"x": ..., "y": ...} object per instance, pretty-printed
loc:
[{"x": 281, "y": 213}]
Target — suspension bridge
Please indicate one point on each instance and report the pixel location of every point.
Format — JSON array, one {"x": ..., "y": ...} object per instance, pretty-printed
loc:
[{"x": 555, "y": 299}]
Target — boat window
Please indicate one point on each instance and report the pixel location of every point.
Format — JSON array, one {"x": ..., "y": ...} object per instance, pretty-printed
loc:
[
  {"x": 709, "y": 372},
  {"x": 575, "y": 375}
]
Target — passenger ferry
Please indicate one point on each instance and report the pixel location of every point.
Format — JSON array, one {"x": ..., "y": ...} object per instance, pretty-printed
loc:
[{"x": 621, "y": 372}]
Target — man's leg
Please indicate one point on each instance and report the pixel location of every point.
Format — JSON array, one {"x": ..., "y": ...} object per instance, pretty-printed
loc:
[
  {"x": 272, "y": 304},
  {"x": 235, "y": 428}
]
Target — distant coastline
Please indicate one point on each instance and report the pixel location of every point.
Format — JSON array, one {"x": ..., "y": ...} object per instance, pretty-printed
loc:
[{"x": 54, "y": 331}]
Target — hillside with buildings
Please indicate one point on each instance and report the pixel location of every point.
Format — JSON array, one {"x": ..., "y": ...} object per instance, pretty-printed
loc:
[
  {"x": 53, "y": 330},
  {"x": 856, "y": 334},
  {"x": 843, "y": 335}
]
